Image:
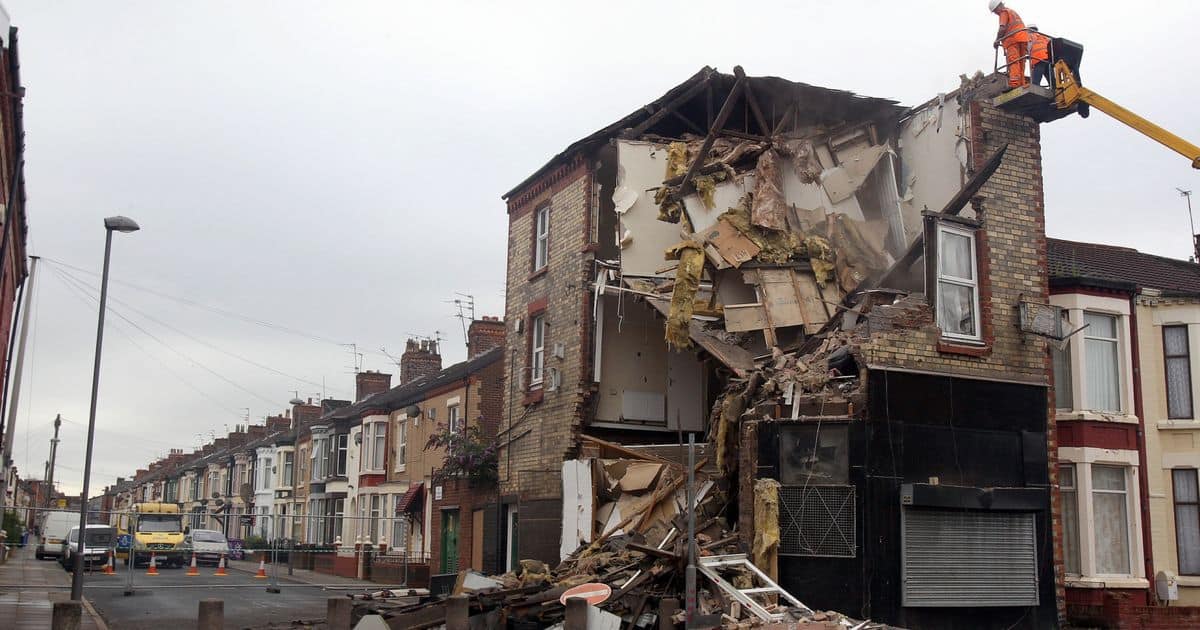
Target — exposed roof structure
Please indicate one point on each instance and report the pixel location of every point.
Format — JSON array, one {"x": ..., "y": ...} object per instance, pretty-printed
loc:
[
  {"x": 699, "y": 97},
  {"x": 1074, "y": 261}
]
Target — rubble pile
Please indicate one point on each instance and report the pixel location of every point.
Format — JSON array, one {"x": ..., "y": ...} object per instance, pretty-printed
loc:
[{"x": 639, "y": 554}]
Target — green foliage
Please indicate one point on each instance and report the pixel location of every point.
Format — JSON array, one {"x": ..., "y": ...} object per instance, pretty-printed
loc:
[
  {"x": 254, "y": 542},
  {"x": 469, "y": 454},
  {"x": 13, "y": 526}
]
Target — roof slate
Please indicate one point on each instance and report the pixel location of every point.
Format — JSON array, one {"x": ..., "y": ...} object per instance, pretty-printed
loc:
[{"x": 1068, "y": 260}]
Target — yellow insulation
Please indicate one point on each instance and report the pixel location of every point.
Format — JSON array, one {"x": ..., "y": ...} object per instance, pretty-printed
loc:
[
  {"x": 683, "y": 297},
  {"x": 766, "y": 527}
]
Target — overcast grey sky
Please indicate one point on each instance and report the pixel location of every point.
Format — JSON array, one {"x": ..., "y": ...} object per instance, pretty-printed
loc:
[{"x": 336, "y": 168}]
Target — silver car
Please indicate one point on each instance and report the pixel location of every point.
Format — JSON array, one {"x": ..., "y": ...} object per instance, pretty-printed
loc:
[
  {"x": 208, "y": 544},
  {"x": 98, "y": 541}
]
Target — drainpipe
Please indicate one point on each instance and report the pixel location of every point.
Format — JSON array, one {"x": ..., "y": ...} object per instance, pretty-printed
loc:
[{"x": 1143, "y": 479}]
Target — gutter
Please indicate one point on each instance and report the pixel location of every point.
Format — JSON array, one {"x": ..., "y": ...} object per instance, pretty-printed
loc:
[{"x": 1143, "y": 480}]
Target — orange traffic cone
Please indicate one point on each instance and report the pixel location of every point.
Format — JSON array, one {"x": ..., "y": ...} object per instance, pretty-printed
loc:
[
  {"x": 193, "y": 570},
  {"x": 262, "y": 568},
  {"x": 108, "y": 566},
  {"x": 221, "y": 567},
  {"x": 153, "y": 568}
]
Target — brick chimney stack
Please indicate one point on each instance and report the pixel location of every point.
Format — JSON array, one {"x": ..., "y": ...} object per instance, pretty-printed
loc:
[
  {"x": 371, "y": 382},
  {"x": 420, "y": 359},
  {"x": 276, "y": 424},
  {"x": 306, "y": 412},
  {"x": 483, "y": 335}
]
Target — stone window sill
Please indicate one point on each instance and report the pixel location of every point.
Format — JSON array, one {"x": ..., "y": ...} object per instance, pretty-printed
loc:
[
  {"x": 1106, "y": 582},
  {"x": 1178, "y": 425},
  {"x": 1066, "y": 414}
]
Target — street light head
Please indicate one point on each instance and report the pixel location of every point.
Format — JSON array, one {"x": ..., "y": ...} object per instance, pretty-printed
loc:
[{"x": 121, "y": 224}]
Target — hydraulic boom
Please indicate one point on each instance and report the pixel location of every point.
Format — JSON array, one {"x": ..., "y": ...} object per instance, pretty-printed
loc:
[{"x": 1068, "y": 92}]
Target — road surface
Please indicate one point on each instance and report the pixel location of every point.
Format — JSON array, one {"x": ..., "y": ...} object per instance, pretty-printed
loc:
[{"x": 171, "y": 599}]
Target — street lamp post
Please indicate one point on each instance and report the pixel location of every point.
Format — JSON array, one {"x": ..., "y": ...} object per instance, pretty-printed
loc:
[{"x": 111, "y": 224}]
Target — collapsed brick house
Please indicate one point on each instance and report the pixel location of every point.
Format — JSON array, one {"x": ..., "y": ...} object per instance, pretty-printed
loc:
[{"x": 827, "y": 288}]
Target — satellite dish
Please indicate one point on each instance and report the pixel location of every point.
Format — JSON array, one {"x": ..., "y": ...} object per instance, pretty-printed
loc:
[{"x": 296, "y": 401}]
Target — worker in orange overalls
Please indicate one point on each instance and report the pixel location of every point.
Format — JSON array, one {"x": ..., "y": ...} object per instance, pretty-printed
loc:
[
  {"x": 1015, "y": 39},
  {"x": 1039, "y": 56}
]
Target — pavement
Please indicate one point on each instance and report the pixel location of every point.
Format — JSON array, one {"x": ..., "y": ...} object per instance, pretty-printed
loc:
[
  {"x": 170, "y": 599},
  {"x": 28, "y": 589}
]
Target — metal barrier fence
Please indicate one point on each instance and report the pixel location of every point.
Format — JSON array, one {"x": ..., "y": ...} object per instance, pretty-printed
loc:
[{"x": 168, "y": 541}]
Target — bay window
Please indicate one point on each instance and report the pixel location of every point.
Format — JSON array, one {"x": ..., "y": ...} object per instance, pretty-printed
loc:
[
  {"x": 342, "y": 439},
  {"x": 1070, "y": 517},
  {"x": 1111, "y": 504},
  {"x": 401, "y": 444},
  {"x": 1101, "y": 345},
  {"x": 374, "y": 445},
  {"x": 957, "y": 298},
  {"x": 1098, "y": 489}
]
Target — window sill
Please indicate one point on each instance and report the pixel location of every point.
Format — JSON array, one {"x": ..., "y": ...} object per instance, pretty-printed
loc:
[
  {"x": 1178, "y": 424},
  {"x": 1189, "y": 580},
  {"x": 1062, "y": 414},
  {"x": 1106, "y": 582},
  {"x": 534, "y": 396},
  {"x": 964, "y": 347},
  {"x": 539, "y": 273}
]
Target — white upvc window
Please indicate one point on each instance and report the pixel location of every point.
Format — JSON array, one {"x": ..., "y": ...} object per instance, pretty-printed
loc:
[
  {"x": 1102, "y": 348},
  {"x": 537, "y": 354},
  {"x": 374, "y": 445},
  {"x": 541, "y": 247},
  {"x": 1101, "y": 529},
  {"x": 454, "y": 418},
  {"x": 399, "y": 540},
  {"x": 343, "y": 440},
  {"x": 402, "y": 443},
  {"x": 957, "y": 297}
]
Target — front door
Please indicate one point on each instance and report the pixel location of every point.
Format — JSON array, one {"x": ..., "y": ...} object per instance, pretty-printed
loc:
[{"x": 450, "y": 541}]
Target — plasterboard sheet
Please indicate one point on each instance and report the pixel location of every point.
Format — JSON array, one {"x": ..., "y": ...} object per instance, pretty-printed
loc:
[
  {"x": 643, "y": 406},
  {"x": 641, "y": 167},
  {"x": 933, "y": 155},
  {"x": 577, "y": 502},
  {"x": 726, "y": 195}
]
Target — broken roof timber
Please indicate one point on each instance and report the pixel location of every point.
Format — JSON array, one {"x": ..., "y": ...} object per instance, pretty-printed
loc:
[{"x": 770, "y": 94}]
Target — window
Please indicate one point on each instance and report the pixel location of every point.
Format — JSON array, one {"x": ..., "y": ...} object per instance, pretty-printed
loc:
[
  {"x": 1062, "y": 376},
  {"x": 1070, "y": 517},
  {"x": 401, "y": 444},
  {"x": 512, "y": 558},
  {"x": 1179, "y": 371},
  {"x": 541, "y": 248},
  {"x": 1103, "y": 374},
  {"x": 339, "y": 509},
  {"x": 319, "y": 451},
  {"x": 399, "y": 538},
  {"x": 453, "y": 419},
  {"x": 373, "y": 523},
  {"x": 374, "y": 445},
  {"x": 1111, "y": 504},
  {"x": 537, "y": 357},
  {"x": 288, "y": 463},
  {"x": 342, "y": 440},
  {"x": 1187, "y": 519},
  {"x": 957, "y": 283}
]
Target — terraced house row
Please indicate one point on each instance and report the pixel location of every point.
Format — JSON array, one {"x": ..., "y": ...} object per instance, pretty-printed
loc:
[{"x": 337, "y": 476}]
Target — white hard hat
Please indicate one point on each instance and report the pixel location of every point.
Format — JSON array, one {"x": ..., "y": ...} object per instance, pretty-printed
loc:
[
  {"x": 1032, "y": 27},
  {"x": 992, "y": 4}
]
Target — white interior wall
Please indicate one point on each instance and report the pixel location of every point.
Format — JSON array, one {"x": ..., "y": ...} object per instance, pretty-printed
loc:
[{"x": 933, "y": 156}]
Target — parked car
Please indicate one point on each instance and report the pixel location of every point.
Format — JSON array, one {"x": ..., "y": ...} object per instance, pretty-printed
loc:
[
  {"x": 55, "y": 528},
  {"x": 208, "y": 544},
  {"x": 98, "y": 540}
]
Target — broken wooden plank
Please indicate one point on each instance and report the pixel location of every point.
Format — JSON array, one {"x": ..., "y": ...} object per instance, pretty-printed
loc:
[
  {"x": 748, "y": 92},
  {"x": 745, "y": 317},
  {"x": 722, "y": 116},
  {"x": 669, "y": 107},
  {"x": 652, "y": 551},
  {"x": 733, "y": 246},
  {"x": 623, "y": 453}
]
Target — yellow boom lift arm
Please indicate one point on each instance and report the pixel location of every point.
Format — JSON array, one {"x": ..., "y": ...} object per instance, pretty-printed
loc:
[{"x": 1068, "y": 93}]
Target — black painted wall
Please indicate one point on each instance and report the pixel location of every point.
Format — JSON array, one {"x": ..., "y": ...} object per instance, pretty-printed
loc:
[{"x": 964, "y": 432}]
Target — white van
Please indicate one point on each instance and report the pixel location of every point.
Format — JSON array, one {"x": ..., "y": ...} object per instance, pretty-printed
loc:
[{"x": 55, "y": 529}]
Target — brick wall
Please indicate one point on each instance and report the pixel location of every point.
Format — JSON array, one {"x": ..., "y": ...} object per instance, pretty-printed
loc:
[
  {"x": 370, "y": 382},
  {"x": 420, "y": 358},
  {"x": 531, "y": 465}
]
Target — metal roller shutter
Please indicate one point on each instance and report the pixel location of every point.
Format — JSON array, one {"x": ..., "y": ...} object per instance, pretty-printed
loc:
[{"x": 958, "y": 559}]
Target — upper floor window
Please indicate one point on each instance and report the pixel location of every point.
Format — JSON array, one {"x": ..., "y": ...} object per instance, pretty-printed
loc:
[
  {"x": 374, "y": 445},
  {"x": 541, "y": 247},
  {"x": 537, "y": 354},
  {"x": 342, "y": 441},
  {"x": 401, "y": 444},
  {"x": 453, "y": 418},
  {"x": 1179, "y": 371},
  {"x": 1063, "y": 394},
  {"x": 957, "y": 297},
  {"x": 1101, "y": 346},
  {"x": 288, "y": 463}
]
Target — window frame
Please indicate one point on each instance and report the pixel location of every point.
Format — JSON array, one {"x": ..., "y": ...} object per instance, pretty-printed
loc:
[
  {"x": 1124, "y": 493},
  {"x": 537, "y": 349},
  {"x": 1070, "y": 497},
  {"x": 541, "y": 238},
  {"x": 454, "y": 419},
  {"x": 973, "y": 283},
  {"x": 342, "y": 441},
  {"x": 401, "y": 444},
  {"x": 1175, "y": 505},
  {"x": 1085, "y": 459},
  {"x": 288, "y": 469},
  {"x": 1187, "y": 359},
  {"x": 1118, "y": 321},
  {"x": 374, "y": 446}
]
